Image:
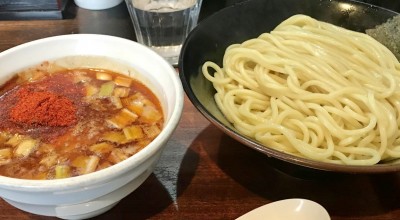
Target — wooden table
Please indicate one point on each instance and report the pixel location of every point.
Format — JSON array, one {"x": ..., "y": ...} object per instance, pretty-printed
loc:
[{"x": 203, "y": 173}]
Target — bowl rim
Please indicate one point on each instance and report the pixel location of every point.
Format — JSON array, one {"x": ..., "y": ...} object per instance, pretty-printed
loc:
[
  {"x": 107, "y": 174},
  {"x": 255, "y": 145}
]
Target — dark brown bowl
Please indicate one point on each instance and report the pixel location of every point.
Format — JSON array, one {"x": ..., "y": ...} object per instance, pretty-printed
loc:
[{"x": 249, "y": 19}]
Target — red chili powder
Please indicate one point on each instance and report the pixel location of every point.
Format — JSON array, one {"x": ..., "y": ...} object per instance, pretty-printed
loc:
[{"x": 43, "y": 108}]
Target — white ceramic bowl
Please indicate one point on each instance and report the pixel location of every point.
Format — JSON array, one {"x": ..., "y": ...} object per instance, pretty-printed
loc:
[
  {"x": 92, "y": 194},
  {"x": 97, "y": 4}
]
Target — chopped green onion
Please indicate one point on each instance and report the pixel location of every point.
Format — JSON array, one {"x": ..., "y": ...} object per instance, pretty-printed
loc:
[
  {"x": 107, "y": 89},
  {"x": 62, "y": 171},
  {"x": 152, "y": 131},
  {"x": 133, "y": 132}
]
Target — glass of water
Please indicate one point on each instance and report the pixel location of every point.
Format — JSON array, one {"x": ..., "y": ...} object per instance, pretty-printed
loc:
[{"x": 163, "y": 25}]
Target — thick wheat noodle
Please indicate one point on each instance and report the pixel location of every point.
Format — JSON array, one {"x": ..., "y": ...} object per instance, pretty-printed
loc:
[{"x": 313, "y": 89}]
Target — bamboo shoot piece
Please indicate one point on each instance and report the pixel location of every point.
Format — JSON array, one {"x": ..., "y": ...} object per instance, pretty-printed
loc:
[
  {"x": 122, "y": 119},
  {"x": 79, "y": 162},
  {"x": 5, "y": 156},
  {"x": 115, "y": 137},
  {"x": 49, "y": 161},
  {"x": 102, "y": 148},
  {"x": 131, "y": 149},
  {"x": 86, "y": 164},
  {"x": 116, "y": 101},
  {"x": 91, "y": 90},
  {"x": 150, "y": 114},
  {"x": 103, "y": 76},
  {"x": 91, "y": 164},
  {"x": 26, "y": 147},
  {"x": 123, "y": 81},
  {"x": 134, "y": 103},
  {"x": 117, "y": 155},
  {"x": 3, "y": 137},
  {"x": 15, "y": 140},
  {"x": 121, "y": 92}
]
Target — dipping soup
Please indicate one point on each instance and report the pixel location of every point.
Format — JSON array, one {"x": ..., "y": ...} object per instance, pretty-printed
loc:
[{"x": 59, "y": 123}]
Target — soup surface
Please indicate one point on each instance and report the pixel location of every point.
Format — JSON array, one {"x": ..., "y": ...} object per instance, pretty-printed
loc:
[{"x": 59, "y": 123}]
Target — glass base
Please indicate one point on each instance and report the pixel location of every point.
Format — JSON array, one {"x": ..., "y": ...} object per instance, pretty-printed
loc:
[
  {"x": 170, "y": 53},
  {"x": 172, "y": 60}
]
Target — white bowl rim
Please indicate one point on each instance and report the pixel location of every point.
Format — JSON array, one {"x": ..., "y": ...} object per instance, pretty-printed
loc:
[{"x": 116, "y": 169}]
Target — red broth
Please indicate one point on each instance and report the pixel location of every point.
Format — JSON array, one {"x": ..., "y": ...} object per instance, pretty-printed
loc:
[{"x": 72, "y": 122}]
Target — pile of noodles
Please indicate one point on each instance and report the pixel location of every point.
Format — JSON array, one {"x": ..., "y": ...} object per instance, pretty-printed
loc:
[{"x": 315, "y": 90}]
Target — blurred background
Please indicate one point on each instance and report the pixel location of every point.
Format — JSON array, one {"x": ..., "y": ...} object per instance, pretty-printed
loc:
[{"x": 56, "y": 9}]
